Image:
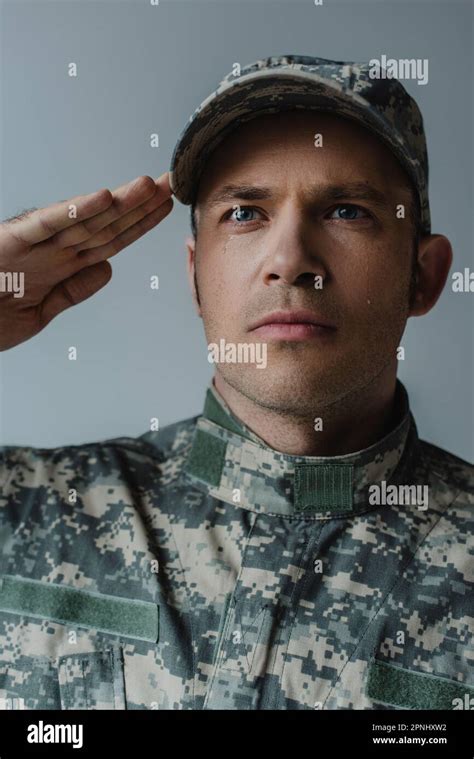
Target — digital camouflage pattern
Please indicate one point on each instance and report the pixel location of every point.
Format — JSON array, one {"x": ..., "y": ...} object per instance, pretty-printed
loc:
[
  {"x": 197, "y": 568},
  {"x": 303, "y": 82}
]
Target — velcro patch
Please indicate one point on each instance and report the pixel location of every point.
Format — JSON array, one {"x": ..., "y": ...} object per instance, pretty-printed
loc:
[
  {"x": 393, "y": 685},
  {"x": 323, "y": 487},
  {"x": 62, "y": 603},
  {"x": 207, "y": 456}
]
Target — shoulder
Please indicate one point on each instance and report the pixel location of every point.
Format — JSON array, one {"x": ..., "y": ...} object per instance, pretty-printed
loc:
[
  {"x": 173, "y": 441},
  {"x": 450, "y": 479},
  {"x": 109, "y": 460},
  {"x": 451, "y": 469}
]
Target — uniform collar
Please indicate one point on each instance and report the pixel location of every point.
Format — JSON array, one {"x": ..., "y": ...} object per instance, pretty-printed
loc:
[{"x": 235, "y": 465}]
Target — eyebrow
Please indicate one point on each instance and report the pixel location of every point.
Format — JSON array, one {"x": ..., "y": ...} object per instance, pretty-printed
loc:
[{"x": 356, "y": 190}]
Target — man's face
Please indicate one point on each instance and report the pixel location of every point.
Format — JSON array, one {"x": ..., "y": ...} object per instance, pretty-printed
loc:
[{"x": 309, "y": 215}]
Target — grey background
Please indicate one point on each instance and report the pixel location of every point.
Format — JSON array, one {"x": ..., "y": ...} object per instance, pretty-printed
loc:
[{"x": 144, "y": 69}]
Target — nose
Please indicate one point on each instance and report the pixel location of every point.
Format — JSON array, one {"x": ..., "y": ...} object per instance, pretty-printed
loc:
[{"x": 291, "y": 255}]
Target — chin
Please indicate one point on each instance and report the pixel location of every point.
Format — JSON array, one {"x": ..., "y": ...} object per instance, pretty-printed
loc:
[{"x": 293, "y": 387}]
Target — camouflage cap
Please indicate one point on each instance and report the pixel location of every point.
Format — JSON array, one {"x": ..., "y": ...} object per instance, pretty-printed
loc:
[{"x": 292, "y": 82}]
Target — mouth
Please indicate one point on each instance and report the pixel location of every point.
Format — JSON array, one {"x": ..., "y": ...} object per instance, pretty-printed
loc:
[{"x": 293, "y": 325}]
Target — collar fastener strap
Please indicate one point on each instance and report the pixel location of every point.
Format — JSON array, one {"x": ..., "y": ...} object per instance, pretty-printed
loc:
[
  {"x": 317, "y": 488},
  {"x": 323, "y": 487}
]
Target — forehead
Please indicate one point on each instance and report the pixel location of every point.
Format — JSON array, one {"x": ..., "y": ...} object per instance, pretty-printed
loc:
[{"x": 276, "y": 144}]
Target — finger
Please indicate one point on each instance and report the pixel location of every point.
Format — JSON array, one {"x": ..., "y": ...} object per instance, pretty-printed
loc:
[
  {"x": 92, "y": 256},
  {"x": 158, "y": 191},
  {"x": 163, "y": 183},
  {"x": 127, "y": 197},
  {"x": 46, "y": 222},
  {"x": 108, "y": 233},
  {"x": 69, "y": 260},
  {"x": 75, "y": 289}
]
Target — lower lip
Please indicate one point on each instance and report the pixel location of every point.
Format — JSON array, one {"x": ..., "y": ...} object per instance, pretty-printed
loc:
[{"x": 293, "y": 331}]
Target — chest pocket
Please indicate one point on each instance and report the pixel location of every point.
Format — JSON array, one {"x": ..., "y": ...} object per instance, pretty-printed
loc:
[
  {"x": 395, "y": 686},
  {"x": 62, "y": 647},
  {"x": 93, "y": 680}
]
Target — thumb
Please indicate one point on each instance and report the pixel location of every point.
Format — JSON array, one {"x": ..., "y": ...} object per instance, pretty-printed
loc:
[{"x": 74, "y": 290}]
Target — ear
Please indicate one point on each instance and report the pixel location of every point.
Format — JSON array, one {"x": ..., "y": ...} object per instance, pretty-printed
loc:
[
  {"x": 191, "y": 270},
  {"x": 435, "y": 257}
]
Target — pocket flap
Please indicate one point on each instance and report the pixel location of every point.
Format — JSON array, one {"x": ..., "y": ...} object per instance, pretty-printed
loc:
[
  {"x": 62, "y": 603},
  {"x": 93, "y": 680},
  {"x": 396, "y": 686}
]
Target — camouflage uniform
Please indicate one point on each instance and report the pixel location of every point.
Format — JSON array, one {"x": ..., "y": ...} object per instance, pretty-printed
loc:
[{"x": 198, "y": 568}]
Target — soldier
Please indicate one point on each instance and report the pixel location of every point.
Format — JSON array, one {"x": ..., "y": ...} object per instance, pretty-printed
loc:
[{"x": 296, "y": 545}]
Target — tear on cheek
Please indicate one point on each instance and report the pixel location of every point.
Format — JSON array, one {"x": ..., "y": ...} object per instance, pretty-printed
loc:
[{"x": 242, "y": 244}]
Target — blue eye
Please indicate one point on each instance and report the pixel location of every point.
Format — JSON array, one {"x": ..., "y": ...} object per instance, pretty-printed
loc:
[
  {"x": 239, "y": 214},
  {"x": 352, "y": 211},
  {"x": 240, "y": 210}
]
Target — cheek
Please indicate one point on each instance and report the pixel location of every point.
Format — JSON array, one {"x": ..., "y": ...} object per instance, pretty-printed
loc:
[
  {"x": 222, "y": 286},
  {"x": 374, "y": 281}
]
